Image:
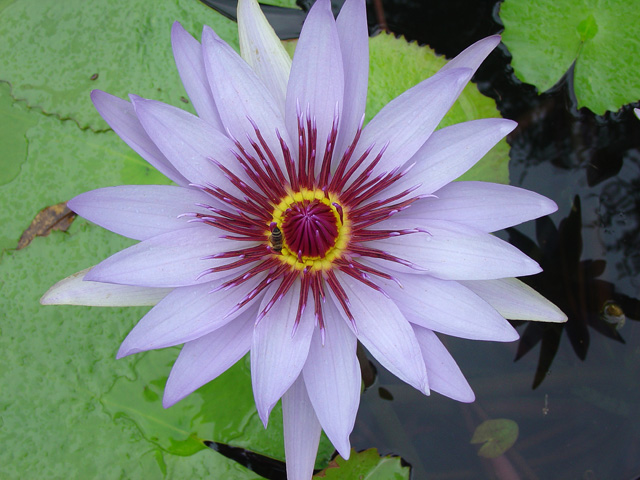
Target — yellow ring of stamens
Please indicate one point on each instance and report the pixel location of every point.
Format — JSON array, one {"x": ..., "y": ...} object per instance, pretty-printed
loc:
[{"x": 312, "y": 263}]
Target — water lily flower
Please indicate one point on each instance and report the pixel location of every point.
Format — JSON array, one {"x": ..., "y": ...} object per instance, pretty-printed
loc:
[{"x": 293, "y": 231}]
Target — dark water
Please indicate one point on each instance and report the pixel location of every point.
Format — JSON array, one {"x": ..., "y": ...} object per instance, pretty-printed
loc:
[{"x": 573, "y": 389}]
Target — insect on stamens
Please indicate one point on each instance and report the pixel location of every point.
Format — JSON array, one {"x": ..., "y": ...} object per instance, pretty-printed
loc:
[{"x": 276, "y": 239}]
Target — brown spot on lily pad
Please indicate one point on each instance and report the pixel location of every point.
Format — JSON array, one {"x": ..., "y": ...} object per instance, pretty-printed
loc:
[{"x": 55, "y": 217}]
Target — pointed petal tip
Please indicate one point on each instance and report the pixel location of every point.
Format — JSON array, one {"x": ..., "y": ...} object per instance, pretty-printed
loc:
[
  {"x": 509, "y": 334},
  {"x": 562, "y": 318},
  {"x": 552, "y": 315},
  {"x": 344, "y": 449},
  {"x": 425, "y": 388},
  {"x": 170, "y": 397},
  {"x": 322, "y": 3},
  {"x": 125, "y": 351},
  {"x": 470, "y": 397},
  {"x": 179, "y": 35},
  {"x": 548, "y": 206},
  {"x": 264, "y": 410},
  {"x": 264, "y": 417},
  {"x": 137, "y": 101},
  {"x": 101, "y": 99},
  {"x": 491, "y": 40},
  {"x": 57, "y": 294},
  {"x": 209, "y": 35},
  {"x": 96, "y": 93},
  {"x": 48, "y": 298},
  {"x": 507, "y": 126}
]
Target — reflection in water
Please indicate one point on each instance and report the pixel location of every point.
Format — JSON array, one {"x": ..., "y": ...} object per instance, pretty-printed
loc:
[{"x": 573, "y": 285}]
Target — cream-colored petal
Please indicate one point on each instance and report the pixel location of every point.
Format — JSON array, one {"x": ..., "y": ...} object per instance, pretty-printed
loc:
[
  {"x": 261, "y": 48},
  {"x": 514, "y": 299},
  {"x": 73, "y": 290}
]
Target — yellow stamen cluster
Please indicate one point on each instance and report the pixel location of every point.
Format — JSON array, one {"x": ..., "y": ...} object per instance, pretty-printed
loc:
[{"x": 313, "y": 263}]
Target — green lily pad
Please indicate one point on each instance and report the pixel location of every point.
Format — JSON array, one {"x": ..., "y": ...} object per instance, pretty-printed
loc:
[
  {"x": 498, "y": 436},
  {"x": 14, "y": 144},
  {"x": 55, "y": 53},
  {"x": 55, "y": 161},
  {"x": 396, "y": 66},
  {"x": 367, "y": 465},
  {"x": 601, "y": 36},
  {"x": 221, "y": 411}
]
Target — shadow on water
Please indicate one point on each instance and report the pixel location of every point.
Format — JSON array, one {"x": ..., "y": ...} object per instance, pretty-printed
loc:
[
  {"x": 574, "y": 286},
  {"x": 577, "y": 402}
]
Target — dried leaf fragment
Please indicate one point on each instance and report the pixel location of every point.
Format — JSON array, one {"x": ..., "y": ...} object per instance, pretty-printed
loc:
[{"x": 55, "y": 217}]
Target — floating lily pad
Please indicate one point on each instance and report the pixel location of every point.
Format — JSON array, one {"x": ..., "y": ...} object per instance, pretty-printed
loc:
[
  {"x": 16, "y": 121},
  {"x": 498, "y": 436},
  {"x": 601, "y": 36},
  {"x": 61, "y": 161},
  {"x": 367, "y": 465},
  {"x": 55, "y": 53}
]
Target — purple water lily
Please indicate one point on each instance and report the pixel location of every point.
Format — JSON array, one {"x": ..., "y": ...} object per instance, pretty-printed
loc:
[{"x": 294, "y": 231}]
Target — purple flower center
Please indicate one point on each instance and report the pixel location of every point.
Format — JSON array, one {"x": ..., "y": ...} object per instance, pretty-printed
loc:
[
  {"x": 318, "y": 220},
  {"x": 310, "y": 228}
]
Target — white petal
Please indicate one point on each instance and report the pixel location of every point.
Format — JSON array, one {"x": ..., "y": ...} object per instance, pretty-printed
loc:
[
  {"x": 448, "y": 307},
  {"x": 384, "y": 331},
  {"x": 174, "y": 259},
  {"x": 187, "y": 52},
  {"x": 332, "y": 376},
  {"x": 140, "y": 211},
  {"x": 187, "y": 313},
  {"x": 445, "y": 376},
  {"x": 450, "y": 152},
  {"x": 516, "y": 300},
  {"x": 241, "y": 97},
  {"x": 277, "y": 354},
  {"x": 203, "y": 359},
  {"x": 452, "y": 251},
  {"x": 73, "y": 290},
  {"x": 354, "y": 45},
  {"x": 317, "y": 77},
  {"x": 301, "y": 432},
  {"x": 121, "y": 116},
  {"x": 409, "y": 120},
  {"x": 189, "y": 143},
  {"x": 485, "y": 206},
  {"x": 261, "y": 48}
]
